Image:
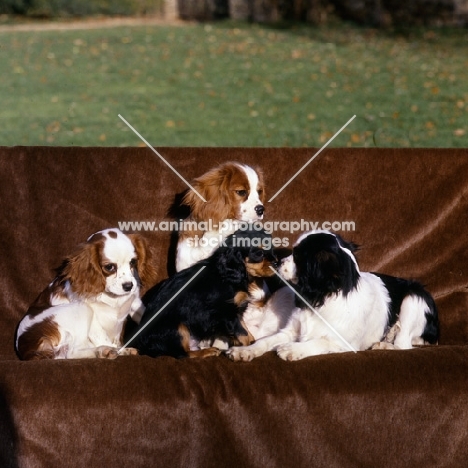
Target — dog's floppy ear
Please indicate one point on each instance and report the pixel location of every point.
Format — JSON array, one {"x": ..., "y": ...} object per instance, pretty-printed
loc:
[
  {"x": 145, "y": 267},
  {"x": 83, "y": 270},
  {"x": 231, "y": 266},
  {"x": 325, "y": 273},
  {"x": 349, "y": 270},
  {"x": 213, "y": 187},
  {"x": 319, "y": 275}
]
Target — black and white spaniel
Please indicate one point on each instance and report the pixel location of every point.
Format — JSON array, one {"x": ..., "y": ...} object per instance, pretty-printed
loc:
[{"x": 339, "y": 308}]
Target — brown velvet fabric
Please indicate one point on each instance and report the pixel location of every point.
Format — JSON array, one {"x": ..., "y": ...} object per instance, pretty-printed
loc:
[{"x": 373, "y": 408}]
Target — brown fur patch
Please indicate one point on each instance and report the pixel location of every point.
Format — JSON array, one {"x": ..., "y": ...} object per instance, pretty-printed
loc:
[
  {"x": 112, "y": 234},
  {"x": 82, "y": 270},
  {"x": 257, "y": 295},
  {"x": 259, "y": 269},
  {"x": 184, "y": 337},
  {"x": 241, "y": 298},
  {"x": 39, "y": 341},
  {"x": 200, "y": 353},
  {"x": 146, "y": 269},
  {"x": 42, "y": 301}
]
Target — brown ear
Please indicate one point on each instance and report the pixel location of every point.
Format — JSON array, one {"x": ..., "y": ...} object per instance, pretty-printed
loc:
[
  {"x": 146, "y": 269},
  {"x": 83, "y": 270},
  {"x": 213, "y": 186},
  {"x": 194, "y": 201}
]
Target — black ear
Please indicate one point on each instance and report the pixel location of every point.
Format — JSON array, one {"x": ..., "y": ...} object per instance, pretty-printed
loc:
[
  {"x": 349, "y": 273},
  {"x": 325, "y": 273},
  {"x": 231, "y": 266},
  {"x": 318, "y": 276}
]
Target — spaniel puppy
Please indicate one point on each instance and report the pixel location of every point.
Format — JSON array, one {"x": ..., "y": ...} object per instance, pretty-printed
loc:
[
  {"x": 351, "y": 310},
  {"x": 175, "y": 322},
  {"x": 82, "y": 312},
  {"x": 256, "y": 245},
  {"x": 233, "y": 192}
]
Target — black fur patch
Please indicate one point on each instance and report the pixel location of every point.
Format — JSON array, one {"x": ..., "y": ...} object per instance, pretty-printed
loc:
[{"x": 323, "y": 268}]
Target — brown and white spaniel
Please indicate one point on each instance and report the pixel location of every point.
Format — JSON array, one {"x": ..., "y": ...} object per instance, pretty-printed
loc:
[
  {"x": 82, "y": 312},
  {"x": 234, "y": 194}
]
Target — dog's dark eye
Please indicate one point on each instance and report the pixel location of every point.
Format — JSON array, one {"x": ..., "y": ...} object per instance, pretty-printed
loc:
[
  {"x": 133, "y": 262},
  {"x": 260, "y": 192},
  {"x": 110, "y": 267},
  {"x": 241, "y": 193}
]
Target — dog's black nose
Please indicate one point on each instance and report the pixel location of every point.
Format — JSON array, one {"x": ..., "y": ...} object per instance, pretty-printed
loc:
[
  {"x": 259, "y": 209},
  {"x": 127, "y": 286}
]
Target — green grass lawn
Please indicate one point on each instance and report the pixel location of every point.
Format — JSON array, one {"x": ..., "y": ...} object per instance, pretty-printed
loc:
[{"x": 229, "y": 84}]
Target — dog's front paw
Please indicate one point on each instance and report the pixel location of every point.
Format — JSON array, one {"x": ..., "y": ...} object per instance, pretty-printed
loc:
[
  {"x": 290, "y": 352},
  {"x": 204, "y": 353},
  {"x": 128, "y": 352},
  {"x": 242, "y": 353},
  {"x": 107, "y": 352},
  {"x": 383, "y": 345},
  {"x": 221, "y": 344}
]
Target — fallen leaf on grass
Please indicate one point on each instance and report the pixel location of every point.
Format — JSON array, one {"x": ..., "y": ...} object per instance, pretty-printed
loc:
[{"x": 53, "y": 127}]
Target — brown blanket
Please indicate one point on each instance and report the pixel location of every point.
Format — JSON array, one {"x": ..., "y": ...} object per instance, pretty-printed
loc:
[{"x": 373, "y": 408}]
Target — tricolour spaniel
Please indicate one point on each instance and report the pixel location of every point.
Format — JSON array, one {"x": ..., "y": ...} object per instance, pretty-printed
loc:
[
  {"x": 82, "y": 311},
  {"x": 339, "y": 308},
  {"x": 203, "y": 303},
  {"x": 233, "y": 192}
]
